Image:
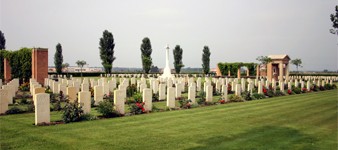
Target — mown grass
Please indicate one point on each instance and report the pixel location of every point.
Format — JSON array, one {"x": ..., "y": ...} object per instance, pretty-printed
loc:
[{"x": 305, "y": 121}]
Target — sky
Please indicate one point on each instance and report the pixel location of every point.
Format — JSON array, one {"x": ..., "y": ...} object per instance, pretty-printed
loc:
[{"x": 234, "y": 30}]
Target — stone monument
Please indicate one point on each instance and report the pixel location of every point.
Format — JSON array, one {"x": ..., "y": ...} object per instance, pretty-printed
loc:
[{"x": 166, "y": 70}]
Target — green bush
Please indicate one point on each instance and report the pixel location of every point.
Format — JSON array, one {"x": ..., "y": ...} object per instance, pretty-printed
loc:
[
  {"x": 155, "y": 97},
  {"x": 72, "y": 112},
  {"x": 270, "y": 93},
  {"x": 184, "y": 103},
  {"x": 30, "y": 107},
  {"x": 138, "y": 97},
  {"x": 279, "y": 93},
  {"x": 92, "y": 102},
  {"x": 14, "y": 110},
  {"x": 57, "y": 106},
  {"x": 246, "y": 95},
  {"x": 235, "y": 98},
  {"x": 106, "y": 108},
  {"x": 88, "y": 117},
  {"x": 256, "y": 96},
  {"x": 131, "y": 90},
  {"x": 297, "y": 90},
  {"x": 202, "y": 97},
  {"x": 110, "y": 97}
]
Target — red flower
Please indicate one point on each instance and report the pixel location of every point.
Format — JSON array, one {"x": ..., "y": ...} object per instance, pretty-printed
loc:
[
  {"x": 289, "y": 92},
  {"x": 264, "y": 90}
]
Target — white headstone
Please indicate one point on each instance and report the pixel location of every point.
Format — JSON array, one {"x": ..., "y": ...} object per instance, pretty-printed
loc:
[
  {"x": 85, "y": 101},
  {"x": 161, "y": 92},
  {"x": 208, "y": 93},
  {"x": 192, "y": 94},
  {"x": 4, "y": 98},
  {"x": 225, "y": 92},
  {"x": 42, "y": 108},
  {"x": 238, "y": 90},
  {"x": 119, "y": 101},
  {"x": 147, "y": 99},
  {"x": 171, "y": 97},
  {"x": 98, "y": 94}
]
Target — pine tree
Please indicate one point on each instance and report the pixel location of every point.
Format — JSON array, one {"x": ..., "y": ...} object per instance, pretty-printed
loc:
[
  {"x": 107, "y": 51},
  {"x": 58, "y": 59},
  {"x": 206, "y": 60},
  {"x": 146, "y": 51},
  {"x": 178, "y": 54}
]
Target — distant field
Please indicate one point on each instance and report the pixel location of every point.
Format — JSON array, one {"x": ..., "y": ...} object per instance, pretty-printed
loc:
[{"x": 305, "y": 121}]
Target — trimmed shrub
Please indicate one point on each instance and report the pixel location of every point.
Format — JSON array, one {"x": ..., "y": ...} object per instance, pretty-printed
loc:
[
  {"x": 297, "y": 90},
  {"x": 184, "y": 103},
  {"x": 256, "y": 96},
  {"x": 235, "y": 98},
  {"x": 72, "y": 112},
  {"x": 14, "y": 110},
  {"x": 202, "y": 97},
  {"x": 279, "y": 93},
  {"x": 246, "y": 96},
  {"x": 106, "y": 108}
]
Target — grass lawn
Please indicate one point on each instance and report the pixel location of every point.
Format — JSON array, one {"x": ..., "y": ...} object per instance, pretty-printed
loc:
[{"x": 305, "y": 121}]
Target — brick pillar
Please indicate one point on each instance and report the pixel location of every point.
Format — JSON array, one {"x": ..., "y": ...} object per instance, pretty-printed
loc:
[
  {"x": 40, "y": 64},
  {"x": 239, "y": 73},
  {"x": 269, "y": 71},
  {"x": 7, "y": 70},
  {"x": 258, "y": 71},
  {"x": 218, "y": 72}
]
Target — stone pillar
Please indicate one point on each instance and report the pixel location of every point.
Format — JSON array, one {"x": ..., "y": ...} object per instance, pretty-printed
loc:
[
  {"x": 7, "y": 70},
  {"x": 247, "y": 72},
  {"x": 40, "y": 64},
  {"x": 147, "y": 99},
  {"x": 280, "y": 71},
  {"x": 269, "y": 71},
  {"x": 257, "y": 72},
  {"x": 42, "y": 108},
  {"x": 287, "y": 71},
  {"x": 238, "y": 73}
]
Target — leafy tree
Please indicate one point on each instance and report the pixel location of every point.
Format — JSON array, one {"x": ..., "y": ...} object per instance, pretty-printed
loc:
[
  {"x": 334, "y": 20},
  {"x": 58, "y": 59},
  {"x": 81, "y": 63},
  {"x": 65, "y": 67},
  {"x": 107, "y": 51},
  {"x": 178, "y": 52},
  {"x": 20, "y": 62},
  {"x": 2, "y": 46},
  {"x": 264, "y": 59},
  {"x": 2, "y": 41},
  {"x": 154, "y": 69},
  {"x": 206, "y": 60},
  {"x": 297, "y": 62},
  {"x": 146, "y": 51}
]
